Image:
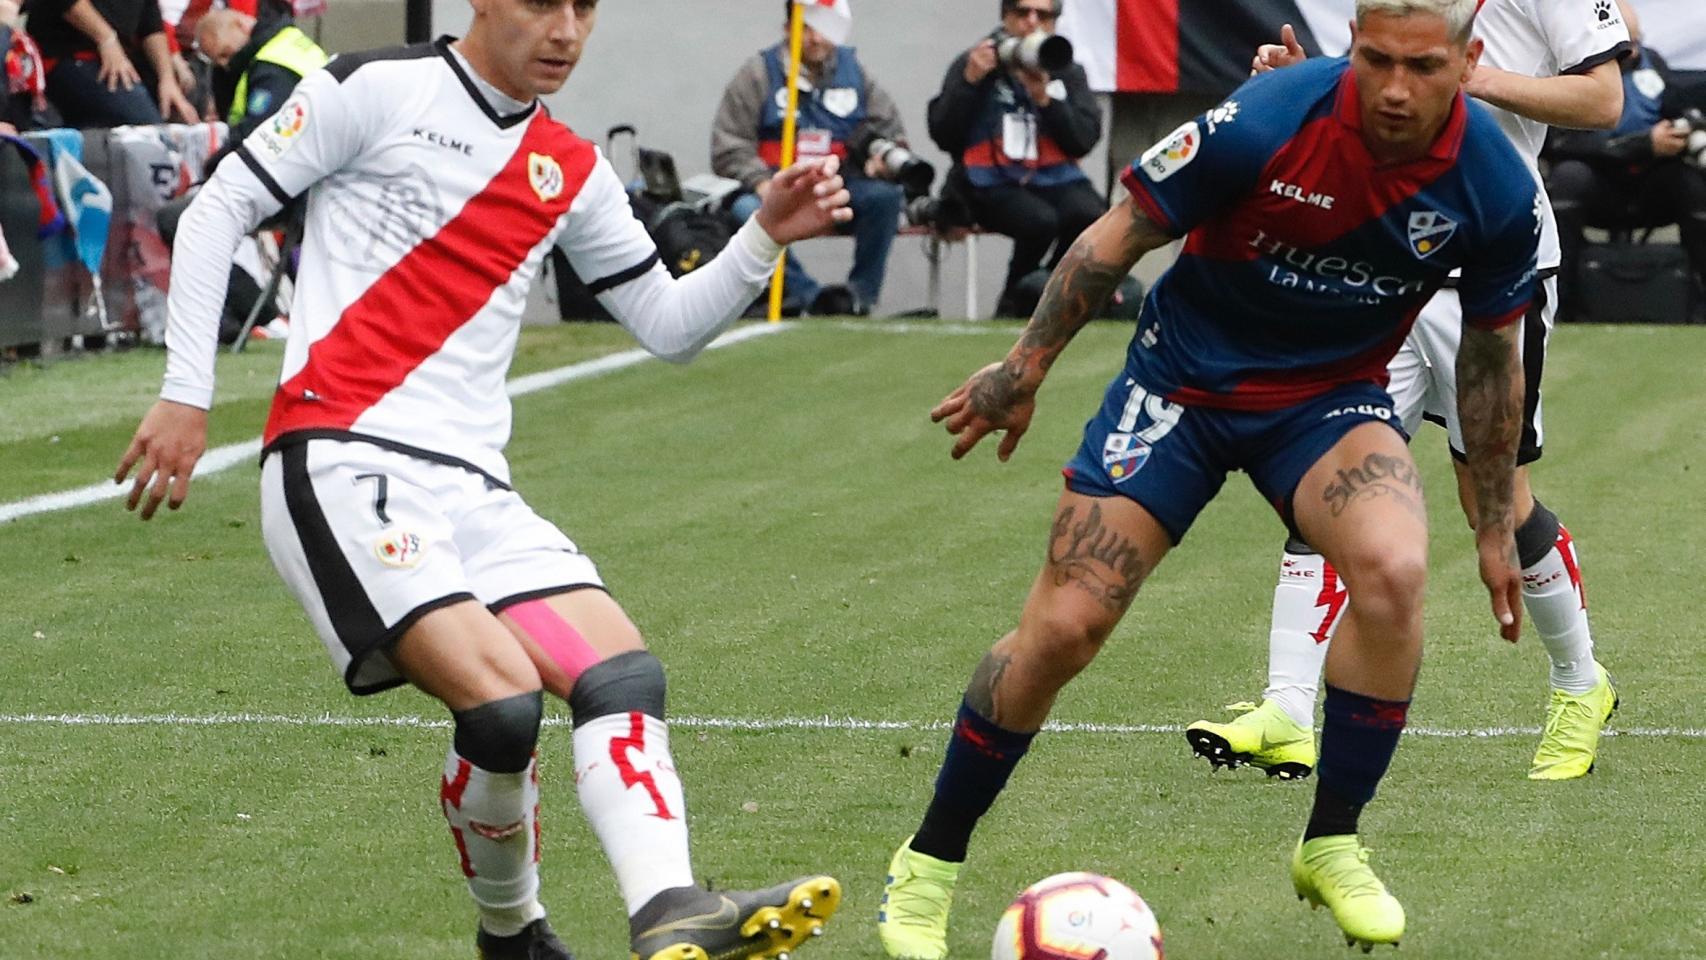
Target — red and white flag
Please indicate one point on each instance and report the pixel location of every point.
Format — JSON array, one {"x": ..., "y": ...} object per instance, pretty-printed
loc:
[
  {"x": 1195, "y": 46},
  {"x": 832, "y": 18}
]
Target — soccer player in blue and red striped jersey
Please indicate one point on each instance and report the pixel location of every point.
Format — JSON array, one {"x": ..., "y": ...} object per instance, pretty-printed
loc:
[
  {"x": 1320, "y": 206},
  {"x": 1543, "y": 64}
]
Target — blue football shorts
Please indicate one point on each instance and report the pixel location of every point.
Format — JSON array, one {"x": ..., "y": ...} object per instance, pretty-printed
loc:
[{"x": 1172, "y": 459}]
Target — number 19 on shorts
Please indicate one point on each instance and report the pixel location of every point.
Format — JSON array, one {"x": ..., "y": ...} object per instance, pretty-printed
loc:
[{"x": 1126, "y": 450}]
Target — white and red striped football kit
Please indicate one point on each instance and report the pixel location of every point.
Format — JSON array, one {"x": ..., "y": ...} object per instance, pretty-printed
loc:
[
  {"x": 432, "y": 199},
  {"x": 428, "y": 216}
]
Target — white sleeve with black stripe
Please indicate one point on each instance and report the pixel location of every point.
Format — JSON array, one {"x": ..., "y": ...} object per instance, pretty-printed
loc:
[
  {"x": 309, "y": 137},
  {"x": 672, "y": 318},
  {"x": 1582, "y": 34}
]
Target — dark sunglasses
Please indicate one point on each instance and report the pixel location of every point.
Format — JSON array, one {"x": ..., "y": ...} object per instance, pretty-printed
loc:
[{"x": 1045, "y": 14}]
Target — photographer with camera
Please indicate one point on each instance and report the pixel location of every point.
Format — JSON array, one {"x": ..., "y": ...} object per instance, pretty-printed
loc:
[
  {"x": 1648, "y": 171},
  {"x": 842, "y": 111},
  {"x": 1017, "y": 113}
]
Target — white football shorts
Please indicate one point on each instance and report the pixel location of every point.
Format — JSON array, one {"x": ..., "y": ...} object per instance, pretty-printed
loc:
[
  {"x": 369, "y": 540},
  {"x": 1424, "y": 371}
]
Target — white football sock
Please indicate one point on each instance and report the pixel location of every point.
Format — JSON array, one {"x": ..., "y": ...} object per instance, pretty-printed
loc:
[
  {"x": 1557, "y": 604},
  {"x": 494, "y": 818},
  {"x": 1309, "y": 600},
  {"x": 632, "y": 796}
]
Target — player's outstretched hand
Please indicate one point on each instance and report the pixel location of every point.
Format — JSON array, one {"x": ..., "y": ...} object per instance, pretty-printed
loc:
[
  {"x": 1272, "y": 56},
  {"x": 164, "y": 451},
  {"x": 1504, "y": 582},
  {"x": 806, "y": 200},
  {"x": 993, "y": 399}
]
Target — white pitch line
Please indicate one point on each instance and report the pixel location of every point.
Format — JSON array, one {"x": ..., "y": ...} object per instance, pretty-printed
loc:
[
  {"x": 926, "y": 326},
  {"x": 741, "y": 724},
  {"x": 223, "y": 458}
]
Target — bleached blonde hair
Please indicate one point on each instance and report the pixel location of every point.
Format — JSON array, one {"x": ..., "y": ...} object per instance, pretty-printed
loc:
[{"x": 1459, "y": 15}]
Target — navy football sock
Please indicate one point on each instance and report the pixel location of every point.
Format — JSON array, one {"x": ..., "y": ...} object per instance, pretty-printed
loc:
[
  {"x": 981, "y": 756},
  {"x": 1358, "y": 738}
]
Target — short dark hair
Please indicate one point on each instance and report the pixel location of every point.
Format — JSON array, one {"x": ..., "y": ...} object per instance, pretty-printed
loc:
[{"x": 1008, "y": 5}]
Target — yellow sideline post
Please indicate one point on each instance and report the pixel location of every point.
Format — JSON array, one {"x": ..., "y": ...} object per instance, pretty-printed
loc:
[{"x": 795, "y": 34}]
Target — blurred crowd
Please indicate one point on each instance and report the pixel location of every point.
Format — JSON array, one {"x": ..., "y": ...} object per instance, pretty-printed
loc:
[{"x": 1015, "y": 113}]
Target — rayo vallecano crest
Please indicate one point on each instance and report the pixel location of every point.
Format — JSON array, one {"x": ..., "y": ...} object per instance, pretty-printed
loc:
[
  {"x": 1429, "y": 230},
  {"x": 545, "y": 175}
]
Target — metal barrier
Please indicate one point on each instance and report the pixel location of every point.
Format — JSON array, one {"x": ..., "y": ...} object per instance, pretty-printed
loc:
[{"x": 54, "y": 297}]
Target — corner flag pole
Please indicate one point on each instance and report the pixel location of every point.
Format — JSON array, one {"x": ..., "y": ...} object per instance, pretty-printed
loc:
[{"x": 795, "y": 34}]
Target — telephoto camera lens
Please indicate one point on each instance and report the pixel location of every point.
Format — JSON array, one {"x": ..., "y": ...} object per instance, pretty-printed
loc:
[
  {"x": 913, "y": 173},
  {"x": 1049, "y": 52}
]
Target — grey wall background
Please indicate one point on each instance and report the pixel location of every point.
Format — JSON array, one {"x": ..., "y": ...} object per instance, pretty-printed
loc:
[
  {"x": 349, "y": 25},
  {"x": 662, "y": 65}
]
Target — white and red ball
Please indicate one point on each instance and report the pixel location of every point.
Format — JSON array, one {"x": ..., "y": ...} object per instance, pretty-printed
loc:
[{"x": 1078, "y": 916}]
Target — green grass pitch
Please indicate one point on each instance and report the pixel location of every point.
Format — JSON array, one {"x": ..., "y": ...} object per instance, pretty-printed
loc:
[{"x": 783, "y": 522}]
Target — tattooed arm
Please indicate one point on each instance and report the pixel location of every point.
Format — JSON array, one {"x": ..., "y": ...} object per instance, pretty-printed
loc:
[
  {"x": 1489, "y": 406},
  {"x": 1002, "y": 395}
]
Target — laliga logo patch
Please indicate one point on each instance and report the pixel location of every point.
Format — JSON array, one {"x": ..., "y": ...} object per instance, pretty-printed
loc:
[
  {"x": 1429, "y": 230},
  {"x": 398, "y": 549},
  {"x": 545, "y": 175},
  {"x": 1124, "y": 455},
  {"x": 1174, "y": 153},
  {"x": 281, "y": 132}
]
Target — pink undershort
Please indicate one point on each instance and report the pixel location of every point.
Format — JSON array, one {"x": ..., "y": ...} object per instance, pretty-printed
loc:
[{"x": 560, "y": 641}]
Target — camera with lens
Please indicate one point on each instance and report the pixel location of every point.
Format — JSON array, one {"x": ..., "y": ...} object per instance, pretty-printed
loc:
[
  {"x": 1693, "y": 123},
  {"x": 1047, "y": 52},
  {"x": 939, "y": 213},
  {"x": 912, "y": 172}
]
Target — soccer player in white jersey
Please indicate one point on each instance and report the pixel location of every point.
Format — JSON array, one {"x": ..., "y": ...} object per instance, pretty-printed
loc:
[
  {"x": 435, "y": 183},
  {"x": 1546, "y": 63}
]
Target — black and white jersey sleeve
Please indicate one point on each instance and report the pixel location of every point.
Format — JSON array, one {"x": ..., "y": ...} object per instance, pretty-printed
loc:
[{"x": 1581, "y": 34}]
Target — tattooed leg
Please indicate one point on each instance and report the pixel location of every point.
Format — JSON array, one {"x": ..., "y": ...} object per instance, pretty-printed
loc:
[
  {"x": 1361, "y": 505},
  {"x": 1099, "y": 552}
]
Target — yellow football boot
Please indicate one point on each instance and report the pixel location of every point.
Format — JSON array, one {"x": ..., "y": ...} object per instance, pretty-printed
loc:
[
  {"x": 1263, "y": 737},
  {"x": 1334, "y": 871},
  {"x": 912, "y": 920},
  {"x": 1573, "y": 722}
]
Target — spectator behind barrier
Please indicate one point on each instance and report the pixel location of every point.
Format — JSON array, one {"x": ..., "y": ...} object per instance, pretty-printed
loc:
[
  {"x": 23, "y": 82},
  {"x": 1017, "y": 132},
  {"x": 256, "y": 65},
  {"x": 841, "y": 108},
  {"x": 1639, "y": 174},
  {"x": 93, "y": 75}
]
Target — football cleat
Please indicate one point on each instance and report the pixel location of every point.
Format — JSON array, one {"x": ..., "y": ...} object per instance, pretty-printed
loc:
[
  {"x": 912, "y": 920},
  {"x": 687, "y": 923},
  {"x": 1334, "y": 872},
  {"x": 1570, "y": 742},
  {"x": 1263, "y": 736},
  {"x": 534, "y": 942}
]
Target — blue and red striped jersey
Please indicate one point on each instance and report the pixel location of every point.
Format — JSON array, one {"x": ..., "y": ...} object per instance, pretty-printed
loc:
[{"x": 1305, "y": 261}]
